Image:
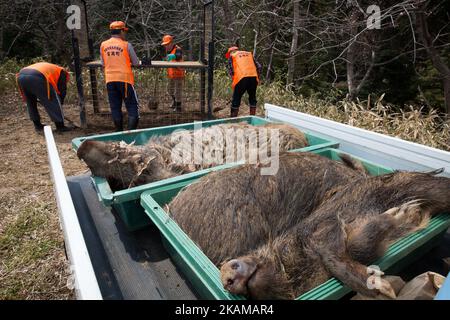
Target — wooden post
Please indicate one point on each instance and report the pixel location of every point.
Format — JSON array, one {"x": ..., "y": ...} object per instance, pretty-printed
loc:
[
  {"x": 94, "y": 89},
  {"x": 92, "y": 72},
  {"x": 210, "y": 80},
  {"x": 211, "y": 57},
  {"x": 203, "y": 71},
  {"x": 79, "y": 79}
]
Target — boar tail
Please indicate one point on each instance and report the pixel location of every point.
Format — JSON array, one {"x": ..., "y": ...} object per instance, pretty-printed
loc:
[{"x": 353, "y": 164}]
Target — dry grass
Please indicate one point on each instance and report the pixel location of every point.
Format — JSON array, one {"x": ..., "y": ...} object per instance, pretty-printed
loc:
[
  {"x": 33, "y": 260},
  {"x": 411, "y": 123}
]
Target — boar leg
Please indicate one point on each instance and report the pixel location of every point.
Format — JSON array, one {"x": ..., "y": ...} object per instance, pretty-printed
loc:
[
  {"x": 366, "y": 239},
  {"x": 409, "y": 218},
  {"x": 355, "y": 275},
  {"x": 363, "y": 241},
  {"x": 329, "y": 243}
]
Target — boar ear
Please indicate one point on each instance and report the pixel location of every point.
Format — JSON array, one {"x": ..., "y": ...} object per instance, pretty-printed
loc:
[{"x": 139, "y": 168}]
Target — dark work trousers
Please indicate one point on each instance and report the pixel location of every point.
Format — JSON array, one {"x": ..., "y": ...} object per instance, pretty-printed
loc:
[
  {"x": 118, "y": 92},
  {"x": 33, "y": 85},
  {"x": 249, "y": 85}
]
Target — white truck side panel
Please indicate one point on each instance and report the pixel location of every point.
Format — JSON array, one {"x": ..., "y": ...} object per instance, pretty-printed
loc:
[{"x": 86, "y": 285}]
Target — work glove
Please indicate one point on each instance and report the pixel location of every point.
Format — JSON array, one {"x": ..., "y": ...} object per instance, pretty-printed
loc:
[{"x": 171, "y": 57}]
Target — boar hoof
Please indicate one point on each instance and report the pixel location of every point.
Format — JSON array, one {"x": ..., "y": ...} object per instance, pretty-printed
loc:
[
  {"x": 387, "y": 290},
  {"x": 406, "y": 209}
]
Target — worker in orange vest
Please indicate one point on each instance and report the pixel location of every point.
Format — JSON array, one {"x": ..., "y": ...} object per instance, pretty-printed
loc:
[
  {"x": 47, "y": 83},
  {"x": 244, "y": 71},
  {"x": 118, "y": 56},
  {"x": 175, "y": 75}
]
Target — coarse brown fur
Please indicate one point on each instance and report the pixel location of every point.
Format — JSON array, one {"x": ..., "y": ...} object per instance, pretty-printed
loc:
[
  {"x": 230, "y": 212},
  {"x": 340, "y": 238}
]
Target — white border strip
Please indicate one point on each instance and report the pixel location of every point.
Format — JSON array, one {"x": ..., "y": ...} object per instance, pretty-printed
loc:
[
  {"x": 86, "y": 285},
  {"x": 400, "y": 151}
]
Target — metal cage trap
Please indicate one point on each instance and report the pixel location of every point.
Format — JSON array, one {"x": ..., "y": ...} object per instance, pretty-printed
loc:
[{"x": 155, "y": 92}]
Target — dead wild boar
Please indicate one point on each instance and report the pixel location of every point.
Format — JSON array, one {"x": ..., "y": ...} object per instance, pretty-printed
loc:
[
  {"x": 126, "y": 165},
  {"x": 340, "y": 238},
  {"x": 230, "y": 212}
]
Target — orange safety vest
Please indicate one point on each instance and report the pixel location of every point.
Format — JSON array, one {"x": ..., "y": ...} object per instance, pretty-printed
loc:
[
  {"x": 117, "y": 61},
  {"x": 243, "y": 66},
  {"x": 51, "y": 72},
  {"x": 175, "y": 73}
]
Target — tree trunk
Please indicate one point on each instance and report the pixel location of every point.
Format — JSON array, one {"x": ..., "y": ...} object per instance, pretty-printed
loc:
[
  {"x": 351, "y": 55},
  {"x": 192, "y": 20},
  {"x": 144, "y": 27},
  {"x": 294, "y": 43},
  {"x": 61, "y": 52},
  {"x": 446, "y": 82},
  {"x": 2, "y": 53},
  {"x": 269, "y": 64},
  {"x": 227, "y": 14},
  {"x": 438, "y": 63}
]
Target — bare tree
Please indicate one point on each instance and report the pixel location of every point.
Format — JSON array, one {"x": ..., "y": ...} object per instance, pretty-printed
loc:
[
  {"x": 294, "y": 42},
  {"x": 428, "y": 41}
]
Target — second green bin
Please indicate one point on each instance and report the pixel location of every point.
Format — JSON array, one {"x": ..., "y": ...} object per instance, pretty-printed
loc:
[{"x": 205, "y": 276}]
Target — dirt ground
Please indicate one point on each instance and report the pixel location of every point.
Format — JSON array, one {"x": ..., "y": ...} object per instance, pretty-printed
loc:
[{"x": 32, "y": 258}]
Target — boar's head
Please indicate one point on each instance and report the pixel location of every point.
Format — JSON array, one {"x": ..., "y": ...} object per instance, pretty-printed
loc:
[
  {"x": 123, "y": 165},
  {"x": 256, "y": 277}
]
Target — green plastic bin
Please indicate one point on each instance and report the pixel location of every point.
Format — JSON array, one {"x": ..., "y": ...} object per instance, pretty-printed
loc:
[
  {"x": 205, "y": 276},
  {"x": 127, "y": 202}
]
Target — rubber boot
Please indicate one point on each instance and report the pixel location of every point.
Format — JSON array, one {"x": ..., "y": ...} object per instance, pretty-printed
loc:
[
  {"x": 252, "y": 111},
  {"x": 60, "y": 127},
  {"x": 177, "y": 106},
  {"x": 133, "y": 123},
  {"x": 118, "y": 124},
  {"x": 174, "y": 104},
  {"x": 234, "y": 113},
  {"x": 38, "y": 126}
]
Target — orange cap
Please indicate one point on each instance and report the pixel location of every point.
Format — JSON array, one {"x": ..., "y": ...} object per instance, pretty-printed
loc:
[
  {"x": 118, "y": 25},
  {"x": 228, "y": 54},
  {"x": 167, "y": 39}
]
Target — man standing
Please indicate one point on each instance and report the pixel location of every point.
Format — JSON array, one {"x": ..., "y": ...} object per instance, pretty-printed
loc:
[
  {"x": 175, "y": 75},
  {"x": 47, "y": 83},
  {"x": 244, "y": 70},
  {"x": 117, "y": 57}
]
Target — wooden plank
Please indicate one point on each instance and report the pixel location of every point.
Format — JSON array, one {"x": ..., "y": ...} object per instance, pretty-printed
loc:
[{"x": 159, "y": 64}]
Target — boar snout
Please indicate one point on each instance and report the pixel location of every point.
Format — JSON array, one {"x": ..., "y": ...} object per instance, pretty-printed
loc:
[
  {"x": 235, "y": 275},
  {"x": 94, "y": 150}
]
